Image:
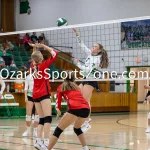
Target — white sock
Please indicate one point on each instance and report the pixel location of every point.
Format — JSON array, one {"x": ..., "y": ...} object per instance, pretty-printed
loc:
[
  {"x": 85, "y": 148},
  {"x": 35, "y": 129},
  {"x": 28, "y": 129}
]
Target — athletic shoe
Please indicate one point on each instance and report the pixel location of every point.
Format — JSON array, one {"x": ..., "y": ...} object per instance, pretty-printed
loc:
[
  {"x": 86, "y": 126},
  {"x": 26, "y": 133},
  {"x": 85, "y": 148},
  {"x": 89, "y": 120},
  {"x": 147, "y": 130},
  {"x": 44, "y": 147},
  {"x": 86, "y": 123},
  {"x": 98, "y": 90},
  {"x": 38, "y": 145}
]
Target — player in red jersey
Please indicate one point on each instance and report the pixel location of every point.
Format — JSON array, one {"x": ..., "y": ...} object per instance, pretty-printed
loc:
[
  {"x": 41, "y": 92},
  {"x": 78, "y": 110}
]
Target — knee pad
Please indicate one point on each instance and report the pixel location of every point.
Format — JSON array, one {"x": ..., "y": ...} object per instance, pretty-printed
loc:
[
  {"x": 48, "y": 119},
  {"x": 78, "y": 131},
  {"x": 28, "y": 118},
  {"x": 36, "y": 118},
  {"x": 41, "y": 121},
  {"x": 57, "y": 132}
]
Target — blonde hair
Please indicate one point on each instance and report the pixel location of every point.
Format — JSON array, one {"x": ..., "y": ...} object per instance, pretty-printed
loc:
[
  {"x": 69, "y": 83},
  {"x": 37, "y": 59}
]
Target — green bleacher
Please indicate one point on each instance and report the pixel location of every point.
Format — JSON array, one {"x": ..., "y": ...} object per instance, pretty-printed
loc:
[{"x": 21, "y": 57}]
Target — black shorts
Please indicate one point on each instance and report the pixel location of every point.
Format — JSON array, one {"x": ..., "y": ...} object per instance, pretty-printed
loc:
[
  {"x": 38, "y": 100},
  {"x": 83, "y": 113},
  {"x": 148, "y": 94},
  {"x": 91, "y": 83},
  {"x": 30, "y": 99}
]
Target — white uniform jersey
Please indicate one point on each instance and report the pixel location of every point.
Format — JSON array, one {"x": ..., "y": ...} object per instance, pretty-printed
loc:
[{"x": 91, "y": 62}]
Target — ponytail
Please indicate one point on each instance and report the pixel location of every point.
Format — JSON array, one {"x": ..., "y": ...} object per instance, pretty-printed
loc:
[
  {"x": 69, "y": 83},
  {"x": 104, "y": 61},
  {"x": 35, "y": 69},
  {"x": 36, "y": 60}
]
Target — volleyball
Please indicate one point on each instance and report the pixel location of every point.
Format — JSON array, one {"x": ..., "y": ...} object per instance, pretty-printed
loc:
[{"x": 62, "y": 22}]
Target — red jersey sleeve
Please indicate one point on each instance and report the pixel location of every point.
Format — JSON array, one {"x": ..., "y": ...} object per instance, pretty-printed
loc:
[
  {"x": 59, "y": 98},
  {"x": 49, "y": 61}
]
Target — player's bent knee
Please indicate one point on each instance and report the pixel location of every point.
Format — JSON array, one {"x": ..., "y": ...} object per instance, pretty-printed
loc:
[
  {"x": 48, "y": 119},
  {"x": 57, "y": 132},
  {"x": 78, "y": 131},
  {"x": 41, "y": 121}
]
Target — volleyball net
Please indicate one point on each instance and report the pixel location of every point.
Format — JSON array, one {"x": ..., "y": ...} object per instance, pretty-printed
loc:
[{"x": 126, "y": 43}]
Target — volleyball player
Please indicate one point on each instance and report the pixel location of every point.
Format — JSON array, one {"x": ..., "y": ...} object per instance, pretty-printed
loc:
[
  {"x": 2, "y": 83},
  {"x": 29, "y": 106},
  {"x": 78, "y": 110},
  {"x": 41, "y": 93},
  {"x": 148, "y": 98},
  {"x": 96, "y": 58}
]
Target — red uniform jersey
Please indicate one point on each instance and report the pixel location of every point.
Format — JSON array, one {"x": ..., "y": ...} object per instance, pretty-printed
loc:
[
  {"x": 41, "y": 83},
  {"x": 74, "y": 99}
]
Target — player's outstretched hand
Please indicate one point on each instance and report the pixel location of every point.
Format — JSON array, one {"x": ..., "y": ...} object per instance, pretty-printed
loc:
[
  {"x": 75, "y": 31},
  {"x": 31, "y": 44},
  {"x": 39, "y": 45},
  {"x": 75, "y": 61}
]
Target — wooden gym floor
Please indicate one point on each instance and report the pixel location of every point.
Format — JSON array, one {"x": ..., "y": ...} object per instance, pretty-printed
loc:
[{"x": 123, "y": 131}]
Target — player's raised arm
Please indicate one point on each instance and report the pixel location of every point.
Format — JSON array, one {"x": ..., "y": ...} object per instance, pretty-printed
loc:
[{"x": 83, "y": 47}]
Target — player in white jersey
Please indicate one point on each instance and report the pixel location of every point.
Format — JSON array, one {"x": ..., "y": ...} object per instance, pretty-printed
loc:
[
  {"x": 29, "y": 106},
  {"x": 96, "y": 58}
]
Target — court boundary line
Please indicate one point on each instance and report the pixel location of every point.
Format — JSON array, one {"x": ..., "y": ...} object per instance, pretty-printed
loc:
[{"x": 118, "y": 122}]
